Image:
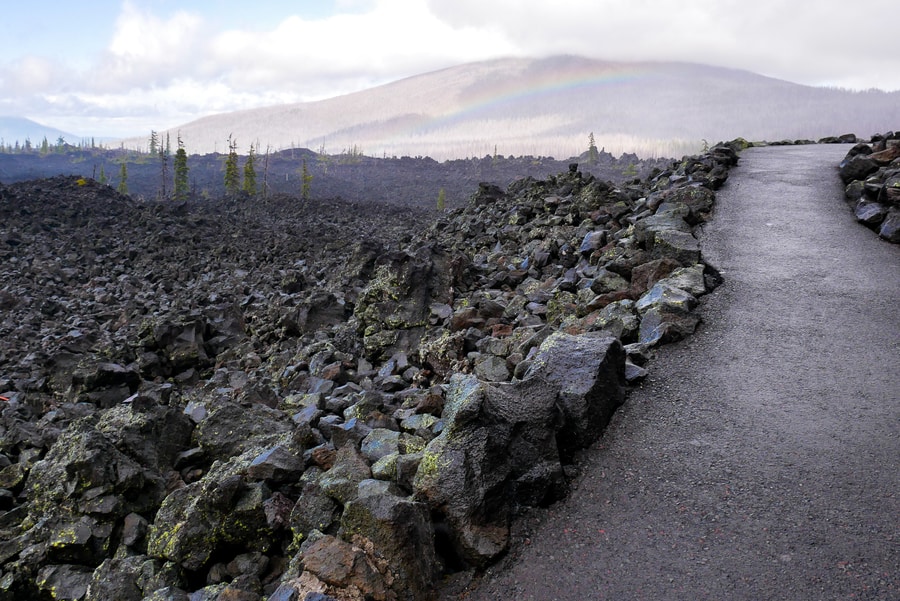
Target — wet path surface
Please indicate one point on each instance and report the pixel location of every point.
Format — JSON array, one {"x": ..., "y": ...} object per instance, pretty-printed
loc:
[{"x": 761, "y": 459}]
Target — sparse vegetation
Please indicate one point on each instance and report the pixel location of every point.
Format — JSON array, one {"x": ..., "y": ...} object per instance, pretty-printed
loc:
[
  {"x": 182, "y": 190},
  {"x": 593, "y": 153},
  {"x": 306, "y": 180},
  {"x": 232, "y": 176},
  {"x": 249, "y": 185},
  {"x": 122, "y": 188}
]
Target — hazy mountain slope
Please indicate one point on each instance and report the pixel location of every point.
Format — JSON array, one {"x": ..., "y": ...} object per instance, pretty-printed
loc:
[
  {"x": 548, "y": 107},
  {"x": 19, "y": 129}
]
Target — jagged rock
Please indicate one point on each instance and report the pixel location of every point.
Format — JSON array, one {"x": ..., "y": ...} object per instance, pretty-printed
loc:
[
  {"x": 230, "y": 429},
  {"x": 491, "y": 368},
  {"x": 277, "y": 464},
  {"x": 588, "y": 372},
  {"x": 125, "y": 579},
  {"x": 660, "y": 325},
  {"x": 634, "y": 373},
  {"x": 857, "y": 167},
  {"x": 507, "y": 438},
  {"x": 593, "y": 241},
  {"x": 167, "y": 593},
  {"x": 400, "y": 533},
  {"x": 698, "y": 199},
  {"x": 678, "y": 245},
  {"x": 222, "y": 509},
  {"x": 665, "y": 294},
  {"x": 351, "y": 433},
  {"x": 344, "y": 569},
  {"x": 105, "y": 384},
  {"x": 619, "y": 320},
  {"x": 691, "y": 279},
  {"x": 181, "y": 346},
  {"x": 64, "y": 582},
  {"x": 83, "y": 470},
  {"x": 395, "y": 307},
  {"x": 498, "y": 439},
  {"x": 314, "y": 510},
  {"x": 154, "y": 435},
  {"x": 342, "y": 480},
  {"x": 890, "y": 227},
  {"x": 379, "y": 443},
  {"x": 886, "y": 156},
  {"x": 870, "y": 213},
  {"x": 607, "y": 281}
]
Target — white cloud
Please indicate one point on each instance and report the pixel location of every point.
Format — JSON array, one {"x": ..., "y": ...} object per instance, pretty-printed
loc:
[
  {"x": 391, "y": 40},
  {"x": 175, "y": 67},
  {"x": 145, "y": 49}
]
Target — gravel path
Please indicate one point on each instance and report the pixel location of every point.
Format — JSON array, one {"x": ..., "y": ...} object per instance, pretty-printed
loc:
[{"x": 761, "y": 459}]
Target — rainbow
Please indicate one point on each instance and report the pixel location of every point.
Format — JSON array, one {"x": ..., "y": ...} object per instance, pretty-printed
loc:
[{"x": 514, "y": 90}]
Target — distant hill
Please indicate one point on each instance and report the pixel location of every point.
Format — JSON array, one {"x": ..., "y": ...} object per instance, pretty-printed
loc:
[
  {"x": 19, "y": 129},
  {"x": 549, "y": 106}
]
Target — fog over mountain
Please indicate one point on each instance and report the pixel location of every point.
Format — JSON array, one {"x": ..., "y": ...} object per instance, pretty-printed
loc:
[
  {"x": 548, "y": 107},
  {"x": 19, "y": 129}
]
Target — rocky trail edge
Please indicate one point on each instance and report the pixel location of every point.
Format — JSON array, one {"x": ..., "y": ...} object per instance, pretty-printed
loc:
[{"x": 760, "y": 458}]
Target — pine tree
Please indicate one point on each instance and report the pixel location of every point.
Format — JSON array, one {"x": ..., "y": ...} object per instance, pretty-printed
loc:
[
  {"x": 593, "y": 153},
  {"x": 265, "y": 186},
  {"x": 123, "y": 179},
  {"x": 45, "y": 146},
  {"x": 103, "y": 179},
  {"x": 250, "y": 173},
  {"x": 154, "y": 142},
  {"x": 163, "y": 174},
  {"x": 232, "y": 176},
  {"x": 442, "y": 200},
  {"x": 305, "y": 179},
  {"x": 182, "y": 191}
]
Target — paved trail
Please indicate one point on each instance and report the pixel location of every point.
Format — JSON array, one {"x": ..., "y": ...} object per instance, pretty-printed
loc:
[{"x": 761, "y": 460}]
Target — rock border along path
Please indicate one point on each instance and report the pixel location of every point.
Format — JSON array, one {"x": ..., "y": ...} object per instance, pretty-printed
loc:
[{"x": 760, "y": 459}]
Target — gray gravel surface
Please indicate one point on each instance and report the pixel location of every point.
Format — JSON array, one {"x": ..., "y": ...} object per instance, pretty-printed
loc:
[{"x": 761, "y": 459}]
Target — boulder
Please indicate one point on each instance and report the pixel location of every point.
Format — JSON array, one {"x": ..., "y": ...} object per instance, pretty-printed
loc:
[
  {"x": 495, "y": 434},
  {"x": 399, "y": 532},
  {"x": 698, "y": 199},
  {"x": 64, "y": 582},
  {"x": 619, "y": 320},
  {"x": 886, "y": 156},
  {"x": 394, "y": 309},
  {"x": 84, "y": 471},
  {"x": 675, "y": 244},
  {"x": 342, "y": 480},
  {"x": 123, "y": 579},
  {"x": 276, "y": 464},
  {"x": 341, "y": 569},
  {"x": 588, "y": 375},
  {"x": 870, "y": 213},
  {"x": 222, "y": 510},
  {"x": 665, "y": 294},
  {"x": 890, "y": 227},
  {"x": 646, "y": 275},
  {"x": 231, "y": 429},
  {"x": 660, "y": 325},
  {"x": 314, "y": 510},
  {"x": 857, "y": 167},
  {"x": 154, "y": 435}
]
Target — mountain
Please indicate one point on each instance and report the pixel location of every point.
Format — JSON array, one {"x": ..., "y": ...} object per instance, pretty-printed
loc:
[
  {"x": 19, "y": 129},
  {"x": 549, "y": 106}
]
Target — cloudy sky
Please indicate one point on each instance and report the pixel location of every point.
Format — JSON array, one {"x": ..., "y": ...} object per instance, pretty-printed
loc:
[{"x": 124, "y": 67}]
